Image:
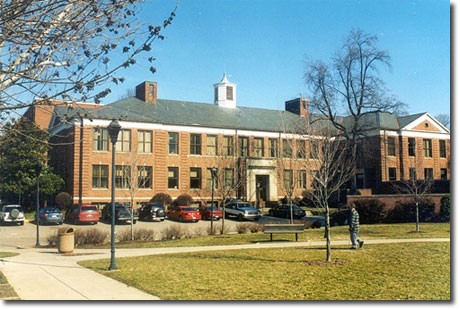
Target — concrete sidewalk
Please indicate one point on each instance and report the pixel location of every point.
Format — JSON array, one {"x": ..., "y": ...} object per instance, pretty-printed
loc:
[{"x": 45, "y": 274}]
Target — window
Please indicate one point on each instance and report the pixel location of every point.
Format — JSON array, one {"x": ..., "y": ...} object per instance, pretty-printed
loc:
[
  {"x": 211, "y": 145},
  {"x": 314, "y": 149},
  {"x": 428, "y": 173},
  {"x": 173, "y": 177},
  {"x": 412, "y": 146},
  {"x": 287, "y": 177},
  {"x": 244, "y": 146},
  {"x": 173, "y": 143},
  {"x": 144, "y": 141},
  {"x": 144, "y": 176},
  {"x": 124, "y": 141},
  {"x": 229, "y": 93},
  {"x": 392, "y": 174},
  {"x": 443, "y": 174},
  {"x": 195, "y": 178},
  {"x": 391, "y": 145},
  {"x": 427, "y": 148},
  {"x": 259, "y": 147},
  {"x": 122, "y": 176},
  {"x": 287, "y": 148},
  {"x": 228, "y": 178},
  {"x": 209, "y": 179},
  {"x": 228, "y": 146},
  {"x": 273, "y": 147},
  {"x": 301, "y": 149},
  {"x": 195, "y": 144},
  {"x": 302, "y": 181},
  {"x": 413, "y": 173},
  {"x": 100, "y": 176},
  {"x": 442, "y": 148},
  {"x": 100, "y": 139}
]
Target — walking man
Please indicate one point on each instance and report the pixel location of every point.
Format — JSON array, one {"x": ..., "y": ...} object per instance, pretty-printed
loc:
[{"x": 353, "y": 223}]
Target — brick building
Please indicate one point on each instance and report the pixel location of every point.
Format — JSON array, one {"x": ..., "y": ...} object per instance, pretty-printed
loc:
[{"x": 168, "y": 146}]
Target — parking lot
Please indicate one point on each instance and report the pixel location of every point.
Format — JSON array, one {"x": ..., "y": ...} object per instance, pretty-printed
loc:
[{"x": 25, "y": 236}]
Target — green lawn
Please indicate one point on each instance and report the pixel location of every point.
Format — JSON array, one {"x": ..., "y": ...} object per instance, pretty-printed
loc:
[
  {"x": 405, "y": 271},
  {"x": 6, "y": 291}
]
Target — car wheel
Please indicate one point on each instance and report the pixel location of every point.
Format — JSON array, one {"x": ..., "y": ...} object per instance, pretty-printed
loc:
[
  {"x": 21, "y": 223},
  {"x": 134, "y": 222},
  {"x": 240, "y": 217}
]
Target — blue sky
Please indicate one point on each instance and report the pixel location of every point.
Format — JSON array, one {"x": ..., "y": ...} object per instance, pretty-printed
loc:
[{"x": 263, "y": 45}]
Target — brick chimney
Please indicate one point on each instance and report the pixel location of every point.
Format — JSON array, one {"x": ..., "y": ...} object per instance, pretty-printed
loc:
[
  {"x": 147, "y": 91},
  {"x": 298, "y": 106}
]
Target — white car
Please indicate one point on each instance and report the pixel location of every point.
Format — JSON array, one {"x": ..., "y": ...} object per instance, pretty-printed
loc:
[{"x": 11, "y": 214}]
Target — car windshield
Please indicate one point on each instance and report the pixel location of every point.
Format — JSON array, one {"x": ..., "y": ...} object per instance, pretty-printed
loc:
[
  {"x": 245, "y": 206},
  {"x": 187, "y": 209},
  {"x": 10, "y": 208},
  {"x": 88, "y": 208},
  {"x": 50, "y": 210}
]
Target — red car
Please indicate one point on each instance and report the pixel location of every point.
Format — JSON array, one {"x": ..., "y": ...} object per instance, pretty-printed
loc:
[
  {"x": 82, "y": 214},
  {"x": 184, "y": 214},
  {"x": 206, "y": 213}
]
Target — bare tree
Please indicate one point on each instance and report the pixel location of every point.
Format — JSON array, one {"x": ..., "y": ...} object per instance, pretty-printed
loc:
[
  {"x": 135, "y": 175},
  {"x": 65, "y": 49},
  {"x": 291, "y": 158},
  {"x": 350, "y": 85},
  {"x": 331, "y": 166},
  {"x": 418, "y": 189},
  {"x": 444, "y": 119},
  {"x": 229, "y": 172}
]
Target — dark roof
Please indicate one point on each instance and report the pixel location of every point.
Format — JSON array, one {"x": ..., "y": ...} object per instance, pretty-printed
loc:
[{"x": 172, "y": 112}]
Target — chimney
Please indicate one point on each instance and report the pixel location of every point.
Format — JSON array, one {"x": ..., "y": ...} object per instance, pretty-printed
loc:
[
  {"x": 147, "y": 91},
  {"x": 297, "y": 106}
]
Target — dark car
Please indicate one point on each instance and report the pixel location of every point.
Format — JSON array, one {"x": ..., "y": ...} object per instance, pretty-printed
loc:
[
  {"x": 82, "y": 214},
  {"x": 50, "y": 215},
  {"x": 122, "y": 213},
  {"x": 205, "y": 212},
  {"x": 152, "y": 212},
  {"x": 284, "y": 211},
  {"x": 184, "y": 214}
]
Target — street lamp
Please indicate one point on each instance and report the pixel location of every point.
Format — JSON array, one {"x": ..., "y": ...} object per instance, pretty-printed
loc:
[
  {"x": 113, "y": 129},
  {"x": 38, "y": 167},
  {"x": 213, "y": 176}
]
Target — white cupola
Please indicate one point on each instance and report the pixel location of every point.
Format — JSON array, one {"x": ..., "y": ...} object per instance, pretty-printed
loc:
[{"x": 225, "y": 93}]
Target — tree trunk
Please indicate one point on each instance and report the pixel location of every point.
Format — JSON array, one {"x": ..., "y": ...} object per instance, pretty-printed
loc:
[{"x": 328, "y": 236}]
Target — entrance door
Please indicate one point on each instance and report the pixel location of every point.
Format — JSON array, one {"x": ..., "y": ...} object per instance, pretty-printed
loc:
[{"x": 262, "y": 188}]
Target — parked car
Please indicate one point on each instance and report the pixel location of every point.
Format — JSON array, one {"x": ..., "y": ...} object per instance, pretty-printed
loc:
[
  {"x": 241, "y": 210},
  {"x": 205, "y": 212},
  {"x": 151, "y": 212},
  {"x": 50, "y": 215},
  {"x": 11, "y": 214},
  {"x": 122, "y": 213},
  {"x": 284, "y": 211},
  {"x": 184, "y": 214},
  {"x": 84, "y": 214}
]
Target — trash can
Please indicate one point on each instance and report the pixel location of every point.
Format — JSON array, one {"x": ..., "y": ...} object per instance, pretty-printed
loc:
[{"x": 66, "y": 240}]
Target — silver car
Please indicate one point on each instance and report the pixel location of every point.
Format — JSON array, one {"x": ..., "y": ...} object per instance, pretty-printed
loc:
[{"x": 11, "y": 214}]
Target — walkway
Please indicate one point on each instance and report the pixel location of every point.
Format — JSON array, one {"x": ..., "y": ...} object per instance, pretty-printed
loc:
[{"x": 45, "y": 274}]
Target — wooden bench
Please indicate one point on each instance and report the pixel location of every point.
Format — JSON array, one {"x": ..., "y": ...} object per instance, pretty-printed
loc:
[{"x": 283, "y": 229}]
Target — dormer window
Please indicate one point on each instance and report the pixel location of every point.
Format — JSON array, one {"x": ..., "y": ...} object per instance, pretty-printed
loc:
[{"x": 229, "y": 93}]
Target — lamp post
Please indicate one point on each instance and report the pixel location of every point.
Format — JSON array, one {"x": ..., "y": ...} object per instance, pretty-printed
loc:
[
  {"x": 37, "y": 212},
  {"x": 113, "y": 129},
  {"x": 213, "y": 176}
]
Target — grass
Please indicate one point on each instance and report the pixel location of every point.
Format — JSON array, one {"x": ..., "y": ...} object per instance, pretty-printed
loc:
[
  {"x": 383, "y": 231},
  {"x": 6, "y": 291},
  {"x": 400, "y": 271}
]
